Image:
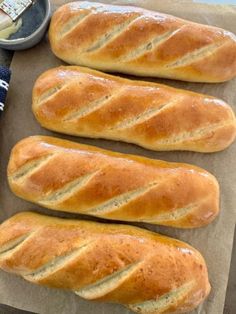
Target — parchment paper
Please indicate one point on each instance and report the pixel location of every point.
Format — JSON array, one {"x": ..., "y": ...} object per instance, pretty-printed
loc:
[{"x": 17, "y": 122}]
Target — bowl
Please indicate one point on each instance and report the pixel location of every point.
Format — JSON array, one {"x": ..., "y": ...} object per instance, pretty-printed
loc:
[{"x": 23, "y": 39}]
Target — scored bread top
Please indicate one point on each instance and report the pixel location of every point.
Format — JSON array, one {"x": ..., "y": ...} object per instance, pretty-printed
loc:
[
  {"x": 84, "y": 102},
  {"x": 145, "y": 271},
  {"x": 141, "y": 42},
  {"x": 77, "y": 178}
]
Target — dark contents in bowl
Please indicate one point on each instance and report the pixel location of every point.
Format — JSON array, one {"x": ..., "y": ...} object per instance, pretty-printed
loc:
[{"x": 32, "y": 18}]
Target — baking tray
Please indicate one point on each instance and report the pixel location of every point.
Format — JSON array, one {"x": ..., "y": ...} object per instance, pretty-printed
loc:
[{"x": 214, "y": 241}]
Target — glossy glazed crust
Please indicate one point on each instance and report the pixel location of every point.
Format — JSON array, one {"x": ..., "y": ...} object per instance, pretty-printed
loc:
[
  {"x": 82, "y": 256},
  {"x": 141, "y": 42},
  {"x": 84, "y": 102},
  {"x": 77, "y": 178}
]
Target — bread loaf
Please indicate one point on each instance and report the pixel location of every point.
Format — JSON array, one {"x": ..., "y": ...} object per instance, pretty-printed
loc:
[
  {"x": 141, "y": 42},
  {"x": 77, "y": 178},
  {"x": 144, "y": 271},
  {"x": 79, "y": 101}
]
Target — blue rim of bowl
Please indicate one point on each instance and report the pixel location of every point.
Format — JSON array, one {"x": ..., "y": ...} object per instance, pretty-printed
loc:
[{"x": 18, "y": 41}]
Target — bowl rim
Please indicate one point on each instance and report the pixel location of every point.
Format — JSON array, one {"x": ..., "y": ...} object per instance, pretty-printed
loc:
[{"x": 18, "y": 41}]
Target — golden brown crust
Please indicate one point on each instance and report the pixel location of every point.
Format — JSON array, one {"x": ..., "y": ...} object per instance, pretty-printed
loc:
[
  {"x": 77, "y": 178},
  {"x": 82, "y": 256},
  {"x": 84, "y": 102},
  {"x": 141, "y": 42}
]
